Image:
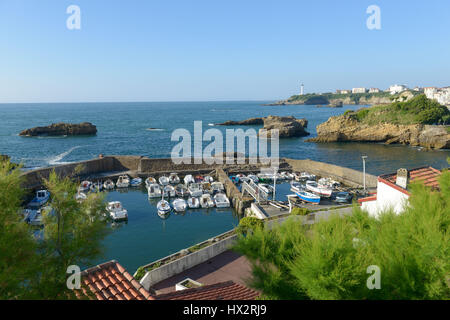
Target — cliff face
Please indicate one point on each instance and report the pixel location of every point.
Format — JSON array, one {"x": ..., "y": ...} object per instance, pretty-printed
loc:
[
  {"x": 61, "y": 129},
  {"x": 346, "y": 128}
]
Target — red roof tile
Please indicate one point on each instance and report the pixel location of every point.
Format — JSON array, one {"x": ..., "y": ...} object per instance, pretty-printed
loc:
[
  {"x": 427, "y": 175},
  {"x": 110, "y": 281},
  {"x": 220, "y": 291}
]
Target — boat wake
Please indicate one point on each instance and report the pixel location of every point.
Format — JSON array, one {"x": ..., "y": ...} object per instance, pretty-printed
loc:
[
  {"x": 211, "y": 124},
  {"x": 154, "y": 129},
  {"x": 57, "y": 159}
]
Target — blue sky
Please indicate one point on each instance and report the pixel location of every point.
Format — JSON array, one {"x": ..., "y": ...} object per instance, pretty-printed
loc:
[{"x": 216, "y": 50}]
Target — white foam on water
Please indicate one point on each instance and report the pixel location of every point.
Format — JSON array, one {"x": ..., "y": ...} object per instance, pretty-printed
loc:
[
  {"x": 57, "y": 159},
  {"x": 211, "y": 124},
  {"x": 154, "y": 129}
]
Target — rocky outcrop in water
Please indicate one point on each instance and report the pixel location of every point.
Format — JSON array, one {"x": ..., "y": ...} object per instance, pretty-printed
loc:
[
  {"x": 61, "y": 129},
  {"x": 287, "y": 126},
  {"x": 346, "y": 128}
]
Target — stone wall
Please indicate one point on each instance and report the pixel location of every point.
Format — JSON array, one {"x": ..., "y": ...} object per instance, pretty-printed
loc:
[{"x": 237, "y": 200}]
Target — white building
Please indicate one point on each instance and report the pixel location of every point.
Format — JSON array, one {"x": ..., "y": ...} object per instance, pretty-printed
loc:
[
  {"x": 374, "y": 90},
  {"x": 359, "y": 90},
  {"x": 397, "y": 88},
  {"x": 343, "y": 91},
  {"x": 441, "y": 95},
  {"x": 392, "y": 189}
]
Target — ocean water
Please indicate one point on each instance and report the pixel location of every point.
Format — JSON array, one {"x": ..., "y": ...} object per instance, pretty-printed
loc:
[{"x": 123, "y": 129}]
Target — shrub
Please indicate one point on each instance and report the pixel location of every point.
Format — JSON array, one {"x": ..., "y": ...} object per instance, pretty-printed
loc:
[
  {"x": 249, "y": 223},
  {"x": 299, "y": 211}
]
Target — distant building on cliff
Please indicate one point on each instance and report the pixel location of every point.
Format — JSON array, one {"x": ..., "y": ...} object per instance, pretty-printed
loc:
[
  {"x": 441, "y": 95},
  {"x": 343, "y": 91},
  {"x": 374, "y": 90},
  {"x": 359, "y": 90},
  {"x": 397, "y": 88},
  {"x": 302, "y": 87},
  {"x": 393, "y": 192}
]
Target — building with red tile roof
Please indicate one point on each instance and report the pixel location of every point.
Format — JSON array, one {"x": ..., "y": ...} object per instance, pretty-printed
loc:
[
  {"x": 220, "y": 291},
  {"x": 392, "y": 189}
]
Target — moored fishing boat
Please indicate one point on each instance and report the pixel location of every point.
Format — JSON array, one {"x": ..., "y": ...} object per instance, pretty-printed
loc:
[
  {"x": 80, "y": 196},
  {"x": 221, "y": 200},
  {"x": 206, "y": 201},
  {"x": 169, "y": 191},
  {"x": 154, "y": 191},
  {"x": 297, "y": 186},
  {"x": 321, "y": 190},
  {"x": 193, "y": 202},
  {"x": 96, "y": 186},
  {"x": 123, "y": 181},
  {"x": 208, "y": 179},
  {"x": 109, "y": 184},
  {"x": 253, "y": 178},
  {"x": 117, "y": 211},
  {"x": 198, "y": 178},
  {"x": 179, "y": 205},
  {"x": 217, "y": 186},
  {"x": 42, "y": 196},
  {"x": 136, "y": 182},
  {"x": 181, "y": 190},
  {"x": 234, "y": 179},
  {"x": 206, "y": 187},
  {"x": 149, "y": 181},
  {"x": 265, "y": 188},
  {"x": 163, "y": 207},
  {"x": 308, "y": 197},
  {"x": 85, "y": 186},
  {"x": 174, "y": 178},
  {"x": 188, "y": 179},
  {"x": 163, "y": 180},
  {"x": 195, "y": 190}
]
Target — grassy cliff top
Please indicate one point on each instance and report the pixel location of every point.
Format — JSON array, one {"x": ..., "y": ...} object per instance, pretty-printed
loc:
[
  {"x": 330, "y": 96},
  {"x": 418, "y": 110}
]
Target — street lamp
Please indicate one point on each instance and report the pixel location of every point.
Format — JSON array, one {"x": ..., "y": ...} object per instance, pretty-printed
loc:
[{"x": 364, "y": 172}]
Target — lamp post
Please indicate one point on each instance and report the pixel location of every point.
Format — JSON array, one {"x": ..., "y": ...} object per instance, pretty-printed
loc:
[{"x": 364, "y": 172}]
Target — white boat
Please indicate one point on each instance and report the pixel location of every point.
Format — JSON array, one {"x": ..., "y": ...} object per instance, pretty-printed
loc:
[
  {"x": 163, "y": 207},
  {"x": 188, "y": 179},
  {"x": 42, "y": 196},
  {"x": 136, "y": 182},
  {"x": 109, "y": 184},
  {"x": 181, "y": 190},
  {"x": 206, "y": 187},
  {"x": 80, "y": 196},
  {"x": 179, "y": 205},
  {"x": 221, "y": 200},
  {"x": 163, "y": 180},
  {"x": 169, "y": 191},
  {"x": 123, "y": 182},
  {"x": 174, "y": 178},
  {"x": 217, "y": 186},
  {"x": 154, "y": 191},
  {"x": 308, "y": 197},
  {"x": 242, "y": 177},
  {"x": 149, "y": 181},
  {"x": 85, "y": 186},
  {"x": 208, "y": 179},
  {"x": 265, "y": 188},
  {"x": 193, "y": 203},
  {"x": 195, "y": 190},
  {"x": 254, "y": 178},
  {"x": 206, "y": 201},
  {"x": 318, "y": 189},
  {"x": 307, "y": 176},
  {"x": 117, "y": 211},
  {"x": 286, "y": 175},
  {"x": 96, "y": 186},
  {"x": 297, "y": 186}
]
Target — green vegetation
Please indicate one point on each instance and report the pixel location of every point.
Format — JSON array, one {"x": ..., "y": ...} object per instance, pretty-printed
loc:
[
  {"x": 299, "y": 211},
  {"x": 418, "y": 110},
  {"x": 35, "y": 267},
  {"x": 330, "y": 259},
  {"x": 247, "y": 224},
  {"x": 324, "y": 98}
]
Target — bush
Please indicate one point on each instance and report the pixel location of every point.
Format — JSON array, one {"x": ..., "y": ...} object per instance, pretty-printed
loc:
[
  {"x": 299, "y": 211},
  {"x": 249, "y": 223}
]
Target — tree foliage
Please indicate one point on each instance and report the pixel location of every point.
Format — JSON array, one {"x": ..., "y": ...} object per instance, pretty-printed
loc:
[{"x": 329, "y": 260}]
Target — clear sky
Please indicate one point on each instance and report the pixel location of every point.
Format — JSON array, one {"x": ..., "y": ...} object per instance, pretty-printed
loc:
[{"x": 169, "y": 50}]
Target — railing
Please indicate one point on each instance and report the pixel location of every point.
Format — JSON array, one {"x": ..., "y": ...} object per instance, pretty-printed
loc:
[{"x": 255, "y": 191}]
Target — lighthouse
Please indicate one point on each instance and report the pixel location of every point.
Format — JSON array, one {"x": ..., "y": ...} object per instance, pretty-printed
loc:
[{"x": 301, "y": 89}]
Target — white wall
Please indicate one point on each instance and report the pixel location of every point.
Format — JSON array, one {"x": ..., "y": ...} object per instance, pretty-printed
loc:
[{"x": 387, "y": 198}]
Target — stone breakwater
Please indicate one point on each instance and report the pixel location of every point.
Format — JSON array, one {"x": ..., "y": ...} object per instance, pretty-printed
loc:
[
  {"x": 287, "y": 126},
  {"x": 344, "y": 128},
  {"x": 61, "y": 129}
]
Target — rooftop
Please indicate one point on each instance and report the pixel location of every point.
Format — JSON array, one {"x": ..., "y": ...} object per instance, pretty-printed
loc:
[
  {"x": 427, "y": 175},
  {"x": 219, "y": 291}
]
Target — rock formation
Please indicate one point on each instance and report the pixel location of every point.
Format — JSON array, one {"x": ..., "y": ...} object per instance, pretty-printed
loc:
[
  {"x": 61, "y": 129},
  {"x": 251, "y": 121},
  {"x": 346, "y": 128}
]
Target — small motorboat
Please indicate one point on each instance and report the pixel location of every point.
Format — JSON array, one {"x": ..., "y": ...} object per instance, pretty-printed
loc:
[
  {"x": 221, "y": 200},
  {"x": 286, "y": 175},
  {"x": 36, "y": 217},
  {"x": 193, "y": 203},
  {"x": 234, "y": 179},
  {"x": 199, "y": 178},
  {"x": 181, "y": 190},
  {"x": 241, "y": 176},
  {"x": 265, "y": 188},
  {"x": 307, "y": 176},
  {"x": 195, "y": 190},
  {"x": 123, "y": 182},
  {"x": 343, "y": 197},
  {"x": 206, "y": 201},
  {"x": 96, "y": 186},
  {"x": 253, "y": 178},
  {"x": 174, "y": 178},
  {"x": 169, "y": 191},
  {"x": 109, "y": 184},
  {"x": 163, "y": 180},
  {"x": 149, "y": 181},
  {"x": 208, "y": 179},
  {"x": 217, "y": 186},
  {"x": 42, "y": 196},
  {"x": 321, "y": 190},
  {"x": 206, "y": 187},
  {"x": 154, "y": 191},
  {"x": 163, "y": 207},
  {"x": 116, "y": 211},
  {"x": 179, "y": 205},
  {"x": 264, "y": 177},
  {"x": 136, "y": 182},
  {"x": 308, "y": 197},
  {"x": 297, "y": 186},
  {"x": 85, "y": 186},
  {"x": 80, "y": 196},
  {"x": 188, "y": 179}
]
